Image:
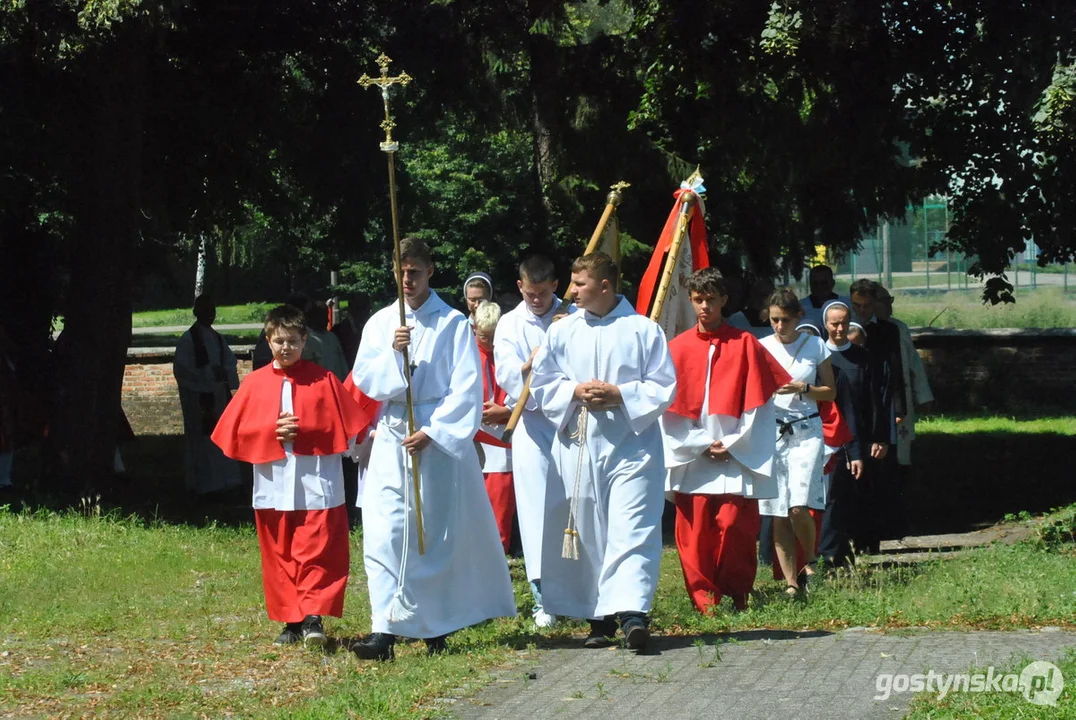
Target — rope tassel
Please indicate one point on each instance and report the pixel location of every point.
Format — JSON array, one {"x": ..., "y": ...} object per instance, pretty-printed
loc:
[{"x": 569, "y": 549}]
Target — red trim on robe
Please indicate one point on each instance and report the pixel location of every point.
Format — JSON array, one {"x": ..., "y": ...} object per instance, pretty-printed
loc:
[
  {"x": 700, "y": 254},
  {"x": 744, "y": 376},
  {"x": 305, "y": 561},
  {"x": 328, "y": 415},
  {"x": 489, "y": 377}
]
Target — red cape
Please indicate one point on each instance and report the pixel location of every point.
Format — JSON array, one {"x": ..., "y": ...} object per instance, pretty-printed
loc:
[
  {"x": 835, "y": 431},
  {"x": 744, "y": 376},
  {"x": 368, "y": 404},
  {"x": 328, "y": 415},
  {"x": 485, "y": 357}
]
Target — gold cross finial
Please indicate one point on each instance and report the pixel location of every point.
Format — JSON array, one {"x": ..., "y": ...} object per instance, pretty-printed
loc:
[
  {"x": 385, "y": 82},
  {"x": 614, "y": 197}
]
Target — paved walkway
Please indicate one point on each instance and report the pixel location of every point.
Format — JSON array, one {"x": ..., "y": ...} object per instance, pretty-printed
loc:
[
  {"x": 752, "y": 674},
  {"x": 169, "y": 329}
]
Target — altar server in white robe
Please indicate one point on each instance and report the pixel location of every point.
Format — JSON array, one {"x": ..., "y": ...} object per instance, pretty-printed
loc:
[
  {"x": 603, "y": 377},
  {"x": 462, "y": 579},
  {"x": 206, "y": 372},
  {"x": 519, "y": 335}
]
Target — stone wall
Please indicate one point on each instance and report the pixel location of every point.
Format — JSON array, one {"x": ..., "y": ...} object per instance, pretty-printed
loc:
[
  {"x": 1000, "y": 371},
  {"x": 150, "y": 394},
  {"x": 970, "y": 370}
]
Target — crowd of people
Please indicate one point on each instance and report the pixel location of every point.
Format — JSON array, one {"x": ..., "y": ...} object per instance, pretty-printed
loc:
[{"x": 779, "y": 429}]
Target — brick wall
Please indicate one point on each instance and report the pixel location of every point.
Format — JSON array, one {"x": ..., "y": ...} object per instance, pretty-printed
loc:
[
  {"x": 150, "y": 394},
  {"x": 1000, "y": 370},
  {"x": 969, "y": 370}
]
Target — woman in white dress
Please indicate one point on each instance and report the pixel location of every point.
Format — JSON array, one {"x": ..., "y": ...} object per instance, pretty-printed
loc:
[{"x": 798, "y": 457}]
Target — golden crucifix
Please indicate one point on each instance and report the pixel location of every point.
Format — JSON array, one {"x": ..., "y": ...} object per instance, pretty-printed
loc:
[
  {"x": 385, "y": 82},
  {"x": 389, "y": 147}
]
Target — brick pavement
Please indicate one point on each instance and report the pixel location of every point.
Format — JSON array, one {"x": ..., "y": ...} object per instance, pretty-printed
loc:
[{"x": 751, "y": 674}]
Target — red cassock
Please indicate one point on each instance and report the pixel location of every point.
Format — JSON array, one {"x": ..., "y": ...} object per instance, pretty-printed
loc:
[
  {"x": 499, "y": 486},
  {"x": 716, "y": 534},
  {"x": 304, "y": 552}
]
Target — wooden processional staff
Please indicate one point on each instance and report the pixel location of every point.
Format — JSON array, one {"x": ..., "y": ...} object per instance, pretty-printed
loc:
[
  {"x": 612, "y": 202},
  {"x": 389, "y": 147}
]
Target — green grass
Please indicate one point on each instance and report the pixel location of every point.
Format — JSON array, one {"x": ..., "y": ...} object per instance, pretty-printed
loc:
[
  {"x": 111, "y": 615},
  {"x": 226, "y": 315},
  {"x": 944, "y": 425},
  {"x": 1042, "y": 308},
  {"x": 118, "y": 616},
  {"x": 1000, "y": 704}
]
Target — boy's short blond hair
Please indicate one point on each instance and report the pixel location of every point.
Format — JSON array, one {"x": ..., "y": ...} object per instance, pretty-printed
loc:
[{"x": 487, "y": 316}]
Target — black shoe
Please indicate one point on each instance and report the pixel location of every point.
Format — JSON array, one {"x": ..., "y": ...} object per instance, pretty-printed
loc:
[
  {"x": 377, "y": 646},
  {"x": 312, "y": 631},
  {"x": 436, "y": 645},
  {"x": 602, "y": 634},
  {"x": 635, "y": 631},
  {"x": 290, "y": 635}
]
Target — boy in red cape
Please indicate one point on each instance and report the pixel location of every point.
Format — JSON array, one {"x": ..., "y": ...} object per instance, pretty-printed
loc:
[
  {"x": 719, "y": 444},
  {"x": 292, "y": 420}
]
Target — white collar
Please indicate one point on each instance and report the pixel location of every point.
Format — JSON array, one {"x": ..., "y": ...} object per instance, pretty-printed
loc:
[{"x": 842, "y": 348}]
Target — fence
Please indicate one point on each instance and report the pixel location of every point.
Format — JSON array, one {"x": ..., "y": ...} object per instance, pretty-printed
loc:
[{"x": 898, "y": 256}]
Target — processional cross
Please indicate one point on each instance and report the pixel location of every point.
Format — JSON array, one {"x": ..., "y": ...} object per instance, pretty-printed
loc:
[{"x": 389, "y": 146}]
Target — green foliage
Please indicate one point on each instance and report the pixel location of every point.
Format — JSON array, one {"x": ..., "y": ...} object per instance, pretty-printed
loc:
[{"x": 471, "y": 194}]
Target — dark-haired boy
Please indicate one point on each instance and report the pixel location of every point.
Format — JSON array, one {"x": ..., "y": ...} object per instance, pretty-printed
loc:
[
  {"x": 603, "y": 377},
  {"x": 292, "y": 420},
  {"x": 719, "y": 447},
  {"x": 462, "y": 579}
]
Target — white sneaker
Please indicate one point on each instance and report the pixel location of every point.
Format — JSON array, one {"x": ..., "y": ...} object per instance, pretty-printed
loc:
[{"x": 543, "y": 620}]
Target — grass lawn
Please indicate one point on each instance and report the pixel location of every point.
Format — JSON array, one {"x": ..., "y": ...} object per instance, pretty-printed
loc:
[
  {"x": 122, "y": 617},
  {"x": 999, "y": 704},
  {"x": 226, "y": 315},
  {"x": 109, "y": 614},
  {"x": 1042, "y": 308},
  {"x": 946, "y": 425}
]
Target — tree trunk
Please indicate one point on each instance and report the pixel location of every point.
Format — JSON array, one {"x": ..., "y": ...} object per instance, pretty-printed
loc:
[
  {"x": 199, "y": 273},
  {"x": 546, "y": 111},
  {"x": 93, "y": 350}
]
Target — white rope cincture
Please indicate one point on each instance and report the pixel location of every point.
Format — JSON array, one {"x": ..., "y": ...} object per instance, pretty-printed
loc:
[
  {"x": 570, "y": 547},
  {"x": 400, "y": 610}
]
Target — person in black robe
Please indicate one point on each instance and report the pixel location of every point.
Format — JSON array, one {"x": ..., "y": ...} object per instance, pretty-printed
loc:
[{"x": 851, "y": 509}]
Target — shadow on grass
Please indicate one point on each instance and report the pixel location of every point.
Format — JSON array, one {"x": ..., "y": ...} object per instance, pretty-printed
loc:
[
  {"x": 960, "y": 482},
  {"x": 966, "y": 481},
  {"x": 152, "y": 488},
  {"x": 679, "y": 642}
]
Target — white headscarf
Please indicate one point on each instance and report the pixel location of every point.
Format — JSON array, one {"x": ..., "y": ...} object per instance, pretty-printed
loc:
[{"x": 479, "y": 276}]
